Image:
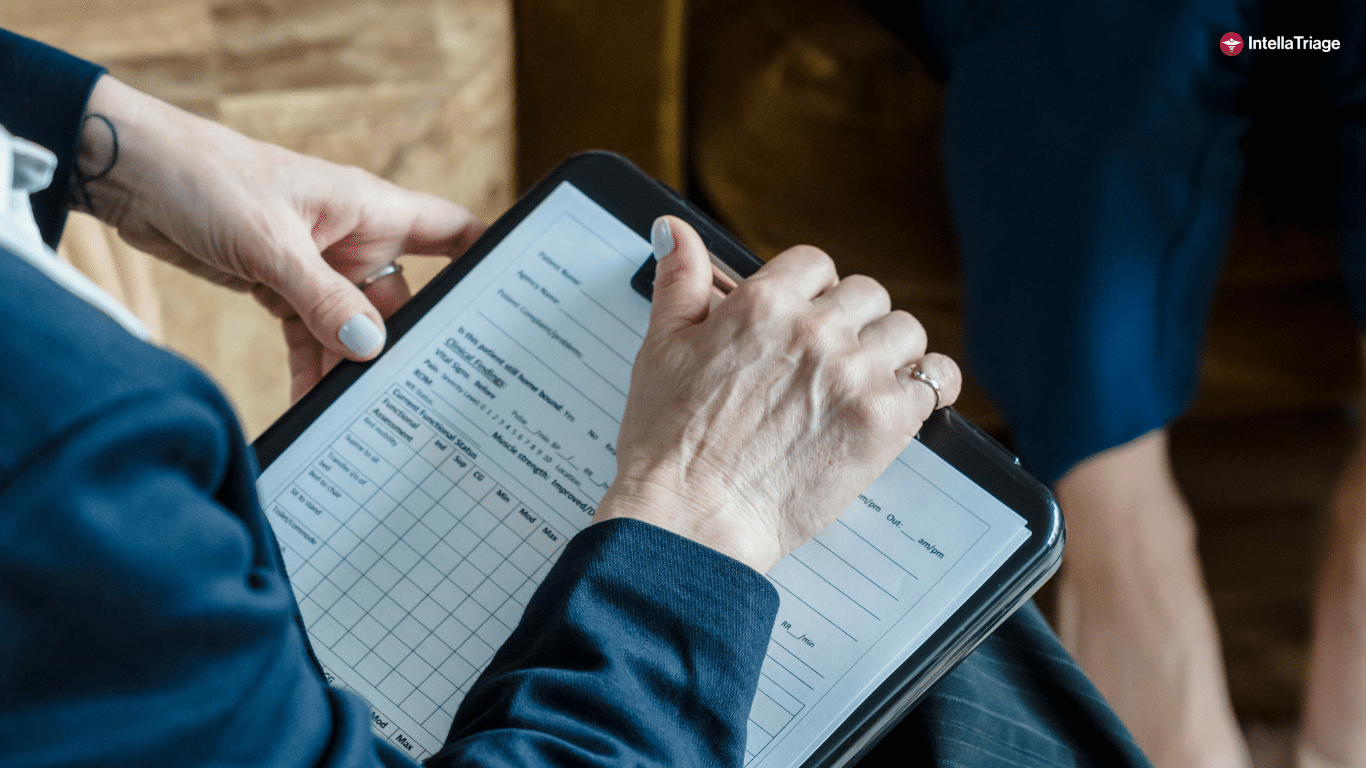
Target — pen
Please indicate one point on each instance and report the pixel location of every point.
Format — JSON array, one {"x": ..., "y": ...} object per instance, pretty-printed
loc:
[{"x": 723, "y": 278}]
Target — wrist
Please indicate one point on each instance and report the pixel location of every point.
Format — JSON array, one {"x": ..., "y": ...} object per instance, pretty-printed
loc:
[
  {"x": 127, "y": 140},
  {"x": 696, "y": 519}
]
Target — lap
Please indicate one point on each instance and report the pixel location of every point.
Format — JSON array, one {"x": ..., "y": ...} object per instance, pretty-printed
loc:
[{"x": 1018, "y": 700}]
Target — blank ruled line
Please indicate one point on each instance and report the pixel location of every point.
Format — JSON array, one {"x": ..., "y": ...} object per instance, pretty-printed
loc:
[
  {"x": 613, "y": 315},
  {"x": 847, "y": 596},
  {"x": 813, "y": 610},
  {"x": 779, "y": 686},
  {"x": 598, "y": 338},
  {"x": 790, "y": 715},
  {"x": 795, "y": 676},
  {"x": 890, "y": 559},
  {"x": 590, "y": 231},
  {"x": 855, "y": 569},
  {"x": 605, "y": 380},
  {"x": 799, "y": 661},
  {"x": 945, "y": 494},
  {"x": 778, "y": 704}
]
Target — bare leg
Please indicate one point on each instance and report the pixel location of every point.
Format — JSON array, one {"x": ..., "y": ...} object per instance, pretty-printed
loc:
[
  {"x": 1334, "y": 730},
  {"x": 1132, "y": 607}
]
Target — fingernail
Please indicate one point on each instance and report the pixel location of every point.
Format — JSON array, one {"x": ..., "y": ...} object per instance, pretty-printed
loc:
[
  {"x": 661, "y": 238},
  {"x": 361, "y": 336}
]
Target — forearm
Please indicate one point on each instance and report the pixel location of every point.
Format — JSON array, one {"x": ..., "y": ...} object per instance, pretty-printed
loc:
[
  {"x": 106, "y": 171},
  {"x": 180, "y": 187},
  {"x": 135, "y": 150}
]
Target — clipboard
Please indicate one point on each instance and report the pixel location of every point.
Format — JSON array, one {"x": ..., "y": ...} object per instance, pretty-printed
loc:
[{"x": 980, "y": 469}]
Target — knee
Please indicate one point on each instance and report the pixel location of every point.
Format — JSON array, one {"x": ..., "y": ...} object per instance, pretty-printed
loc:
[{"x": 1128, "y": 493}]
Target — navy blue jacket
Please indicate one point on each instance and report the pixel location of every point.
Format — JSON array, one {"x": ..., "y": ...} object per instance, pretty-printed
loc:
[{"x": 145, "y": 616}]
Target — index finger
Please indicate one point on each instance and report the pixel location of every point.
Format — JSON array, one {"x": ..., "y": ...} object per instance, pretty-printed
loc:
[
  {"x": 807, "y": 270},
  {"x": 440, "y": 227}
]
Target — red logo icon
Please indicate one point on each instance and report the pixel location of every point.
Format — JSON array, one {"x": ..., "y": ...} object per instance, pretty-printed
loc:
[{"x": 1231, "y": 44}]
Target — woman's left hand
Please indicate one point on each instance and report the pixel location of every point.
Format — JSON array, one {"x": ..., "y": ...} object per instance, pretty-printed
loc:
[{"x": 296, "y": 231}]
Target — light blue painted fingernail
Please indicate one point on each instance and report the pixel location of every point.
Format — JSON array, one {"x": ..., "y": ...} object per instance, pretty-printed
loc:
[
  {"x": 361, "y": 336},
  {"x": 661, "y": 238}
]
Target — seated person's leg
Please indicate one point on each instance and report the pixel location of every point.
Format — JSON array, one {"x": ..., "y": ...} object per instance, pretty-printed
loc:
[
  {"x": 1092, "y": 160},
  {"x": 1132, "y": 606},
  {"x": 1334, "y": 728}
]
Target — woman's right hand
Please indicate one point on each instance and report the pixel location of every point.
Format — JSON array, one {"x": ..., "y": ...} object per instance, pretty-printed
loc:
[{"x": 750, "y": 426}]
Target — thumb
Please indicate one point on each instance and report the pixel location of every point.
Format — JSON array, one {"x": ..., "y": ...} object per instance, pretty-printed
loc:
[
  {"x": 682, "y": 292},
  {"x": 336, "y": 312}
]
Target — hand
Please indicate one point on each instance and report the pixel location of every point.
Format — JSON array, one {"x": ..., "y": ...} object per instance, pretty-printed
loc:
[
  {"x": 296, "y": 231},
  {"x": 751, "y": 426}
]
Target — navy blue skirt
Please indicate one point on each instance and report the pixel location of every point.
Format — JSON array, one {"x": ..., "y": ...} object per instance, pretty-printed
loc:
[{"x": 1093, "y": 160}]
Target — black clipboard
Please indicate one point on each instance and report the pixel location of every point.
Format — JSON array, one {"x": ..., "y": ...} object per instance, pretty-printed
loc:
[{"x": 637, "y": 200}]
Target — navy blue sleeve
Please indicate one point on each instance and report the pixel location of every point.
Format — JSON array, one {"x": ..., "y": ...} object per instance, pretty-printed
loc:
[
  {"x": 152, "y": 621},
  {"x": 145, "y": 618},
  {"x": 43, "y": 93},
  {"x": 640, "y": 648},
  {"x": 156, "y": 629}
]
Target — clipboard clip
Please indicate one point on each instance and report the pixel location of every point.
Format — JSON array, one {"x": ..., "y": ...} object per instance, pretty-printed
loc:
[{"x": 723, "y": 278}]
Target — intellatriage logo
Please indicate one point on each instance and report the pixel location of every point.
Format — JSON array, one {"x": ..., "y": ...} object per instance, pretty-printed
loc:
[{"x": 1231, "y": 43}]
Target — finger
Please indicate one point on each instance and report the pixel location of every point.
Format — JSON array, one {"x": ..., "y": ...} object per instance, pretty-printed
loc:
[
  {"x": 807, "y": 270},
  {"x": 859, "y": 299},
  {"x": 305, "y": 358},
  {"x": 274, "y": 303},
  {"x": 329, "y": 361},
  {"x": 682, "y": 293},
  {"x": 896, "y": 336},
  {"x": 938, "y": 369},
  {"x": 341, "y": 318},
  {"x": 440, "y": 227},
  {"x": 388, "y": 293}
]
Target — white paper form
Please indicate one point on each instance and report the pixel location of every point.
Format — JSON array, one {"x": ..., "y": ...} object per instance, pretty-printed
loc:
[
  {"x": 862, "y": 595},
  {"x": 418, "y": 514}
]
